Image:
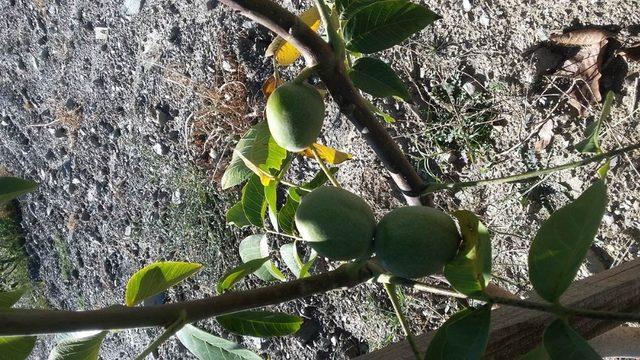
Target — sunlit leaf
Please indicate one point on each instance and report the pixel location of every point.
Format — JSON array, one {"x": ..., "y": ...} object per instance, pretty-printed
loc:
[
  {"x": 9, "y": 298},
  {"x": 254, "y": 203},
  {"x": 291, "y": 258},
  {"x": 284, "y": 52},
  {"x": 208, "y": 347},
  {"x": 78, "y": 347},
  {"x": 470, "y": 270},
  {"x": 232, "y": 277},
  {"x": 384, "y": 24},
  {"x": 563, "y": 240},
  {"x": 16, "y": 347},
  {"x": 12, "y": 187},
  {"x": 463, "y": 336},
  {"x": 563, "y": 343},
  {"x": 156, "y": 278},
  {"x": 306, "y": 267},
  {"x": 257, "y": 247},
  {"x": 328, "y": 154},
  {"x": 253, "y": 146},
  {"x": 235, "y": 216},
  {"x": 376, "y": 78},
  {"x": 260, "y": 323},
  {"x": 271, "y": 196}
]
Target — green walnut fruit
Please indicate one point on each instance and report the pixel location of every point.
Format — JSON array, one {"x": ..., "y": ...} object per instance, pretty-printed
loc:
[
  {"x": 415, "y": 241},
  {"x": 338, "y": 224},
  {"x": 295, "y": 113}
]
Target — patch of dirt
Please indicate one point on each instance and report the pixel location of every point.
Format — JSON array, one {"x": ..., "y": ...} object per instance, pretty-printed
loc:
[{"x": 111, "y": 125}]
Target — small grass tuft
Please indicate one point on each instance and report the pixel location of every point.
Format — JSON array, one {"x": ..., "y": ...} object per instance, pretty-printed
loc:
[{"x": 13, "y": 258}]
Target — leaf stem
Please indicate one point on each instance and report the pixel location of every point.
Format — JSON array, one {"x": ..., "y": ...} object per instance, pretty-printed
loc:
[
  {"x": 169, "y": 332},
  {"x": 433, "y": 187},
  {"x": 290, "y": 184},
  {"x": 324, "y": 167},
  {"x": 335, "y": 40},
  {"x": 556, "y": 309},
  {"x": 391, "y": 292}
]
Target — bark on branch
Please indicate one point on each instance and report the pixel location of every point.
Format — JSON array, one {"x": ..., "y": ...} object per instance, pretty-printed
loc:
[
  {"x": 32, "y": 321},
  {"x": 332, "y": 72}
]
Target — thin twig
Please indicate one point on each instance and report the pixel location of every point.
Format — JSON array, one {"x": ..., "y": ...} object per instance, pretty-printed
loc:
[
  {"x": 391, "y": 292},
  {"x": 324, "y": 167},
  {"x": 169, "y": 332},
  {"x": 520, "y": 303},
  {"x": 531, "y": 174}
]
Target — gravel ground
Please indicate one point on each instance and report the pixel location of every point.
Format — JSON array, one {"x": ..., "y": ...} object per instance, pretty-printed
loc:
[{"x": 127, "y": 117}]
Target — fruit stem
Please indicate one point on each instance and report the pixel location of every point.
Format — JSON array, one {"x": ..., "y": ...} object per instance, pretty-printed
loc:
[
  {"x": 433, "y": 187},
  {"x": 391, "y": 292},
  {"x": 336, "y": 42},
  {"x": 324, "y": 167}
]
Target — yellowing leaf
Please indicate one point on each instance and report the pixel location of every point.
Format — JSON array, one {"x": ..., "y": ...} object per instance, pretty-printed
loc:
[
  {"x": 265, "y": 177},
  {"x": 328, "y": 154},
  {"x": 284, "y": 52}
]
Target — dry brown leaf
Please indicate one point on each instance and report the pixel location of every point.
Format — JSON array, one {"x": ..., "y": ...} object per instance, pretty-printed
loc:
[
  {"x": 270, "y": 85},
  {"x": 581, "y": 37},
  {"x": 545, "y": 134},
  {"x": 631, "y": 53}
]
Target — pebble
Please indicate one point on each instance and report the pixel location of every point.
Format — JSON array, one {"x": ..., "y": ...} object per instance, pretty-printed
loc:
[
  {"x": 161, "y": 149},
  {"x": 466, "y": 5},
  {"x": 132, "y": 7}
]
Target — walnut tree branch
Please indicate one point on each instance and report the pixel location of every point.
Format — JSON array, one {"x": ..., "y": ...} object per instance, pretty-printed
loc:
[{"x": 333, "y": 73}]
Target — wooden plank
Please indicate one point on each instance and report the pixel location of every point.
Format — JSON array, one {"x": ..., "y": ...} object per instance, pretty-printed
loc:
[{"x": 515, "y": 331}]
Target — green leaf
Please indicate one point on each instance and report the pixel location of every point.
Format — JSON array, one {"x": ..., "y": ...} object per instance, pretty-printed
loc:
[
  {"x": 385, "y": 23},
  {"x": 208, "y": 347},
  {"x": 260, "y": 323},
  {"x": 257, "y": 247},
  {"x": 271, "y": 196},
  {"x": 289, "y": 254},
  {"x": 376, "y": 78},
  {"x": 156, "y": 278},
  {"x": 78, "y": 348},
  {"x": 463, "y": 336},
  {"x": 275, "y": 156},
  {"x": 253, "y": 202},
  {"x": 255, "y": 147},
  {"x": 16, "y": 347},
  {"x": 470, "y": 270},
  {"x": 12, "y": 187},
  {"x": 288, "y": 211},
  {"x": 563, "y": 240},
  {"x": 563, "y": 343},
  {"x": 352, "y": 7},
  {"x": 9, "y": 298},
  {"x": 304, "y": 271},
  {"x": 235, "y": 216},
  {"x": 592, "y": 143},
  {"x": 236, "y": 274},
  {"x": 539, "y": 353}
]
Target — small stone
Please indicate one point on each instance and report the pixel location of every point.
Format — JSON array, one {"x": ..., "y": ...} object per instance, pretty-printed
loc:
[
  {"x": 102, "y": 33},
  {"x": 466, "y": 5},
  {"x": 484, "y": 20},
  {"x": 132, "y": 7},
  {"x": 161, "y": 149}
]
